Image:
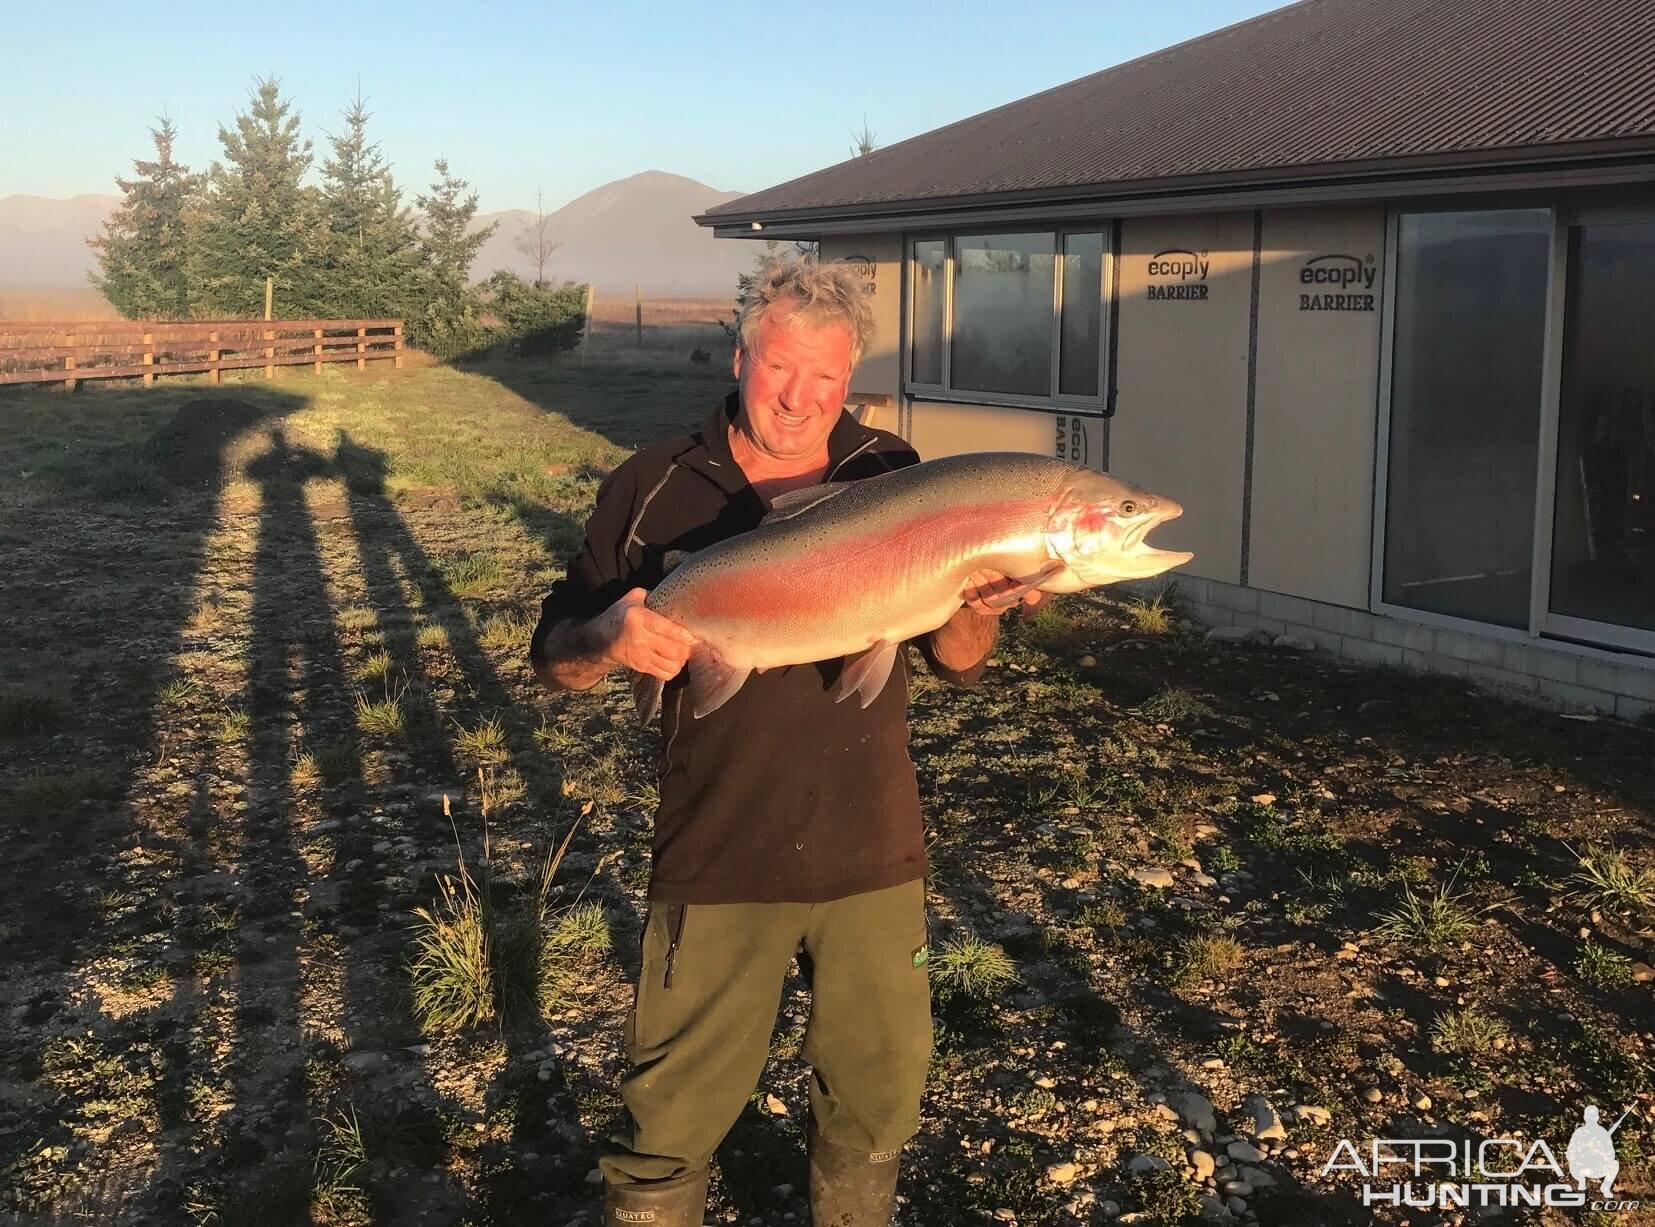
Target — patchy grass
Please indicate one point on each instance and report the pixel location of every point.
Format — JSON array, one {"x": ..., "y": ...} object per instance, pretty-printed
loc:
[
  {"x": 228, "y": 935},
  {"x": 1467, "y": 1033},
  {"x": 1176, "y": 704},
  {"x": 29, "y": 711},
  {"x": 472, "y": 575}
]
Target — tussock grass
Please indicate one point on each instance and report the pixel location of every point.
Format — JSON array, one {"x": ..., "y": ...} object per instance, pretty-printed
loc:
[
  {"x": 1602, "y": 966},
  {"x": 507, "y": 632},
  {"x": 1436, "y": 918},
  {"x": 357, "y": 618},
  {"x": 1207, "y": 957},
  {"x": 475, "y": 962},
  {"x": 969, "y": 967},
  {"x": 374, "y": 668},
  {"x": 560, "y": 738},
  {"x": 1467, "y": 1033},
  {"x": 483, "y": 743},
  {"x": 232, "y": 727},
  {"x": 503, "y": 788},
  {"x": 329, "y": 764},
  {"x": 431, "y": 635},
  {"x": 176, "y": 695},
  {"x": 382, "y": 717},
  {"x": 30, "y": 710},
  {"x": 1605, "y": 880},
  {"x": 1175, "y": 704},
  {"x": 1157, "y": 614}
]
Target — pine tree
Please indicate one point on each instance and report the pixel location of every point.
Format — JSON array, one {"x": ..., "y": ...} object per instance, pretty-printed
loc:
[
  {"x": 863, "y": 143},
  {"x": 258, "y": 219},
  {"x": 141, "y": 250},
  {"x": 372, "y": 250},
  {"x": 447, "y": 317}
]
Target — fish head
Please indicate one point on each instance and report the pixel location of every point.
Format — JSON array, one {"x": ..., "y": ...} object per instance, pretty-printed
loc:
[{"x": 1098, "y": 524}]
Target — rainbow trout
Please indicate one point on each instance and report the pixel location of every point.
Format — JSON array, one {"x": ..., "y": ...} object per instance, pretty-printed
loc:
[{"x": 855, "y": 569}]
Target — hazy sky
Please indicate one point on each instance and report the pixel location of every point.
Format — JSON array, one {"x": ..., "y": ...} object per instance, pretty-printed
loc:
[{"x": 556, "y": 96}]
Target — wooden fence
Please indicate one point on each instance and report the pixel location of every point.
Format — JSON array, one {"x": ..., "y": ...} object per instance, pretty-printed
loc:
[{"x": 70, "y": 352}]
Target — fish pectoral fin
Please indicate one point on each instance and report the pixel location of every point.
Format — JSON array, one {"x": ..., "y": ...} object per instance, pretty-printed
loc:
[
  {"x": 646, "y": 696},
  {"x": 786, "y": 506},
  {"x": 712, "y": 680},
  {"x": 868, "y": 673},
  {"x": 1011, "y": 596}
]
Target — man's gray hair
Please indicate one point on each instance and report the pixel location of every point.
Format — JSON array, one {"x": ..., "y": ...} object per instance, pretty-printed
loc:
[{"x": 812, "y": 292}]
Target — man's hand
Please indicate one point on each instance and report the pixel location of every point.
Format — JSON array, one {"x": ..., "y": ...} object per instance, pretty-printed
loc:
[
  {"x": 576, "y": 655},
  {"x": 635, "y": 637},
  {"x": 981, "y": 587}
]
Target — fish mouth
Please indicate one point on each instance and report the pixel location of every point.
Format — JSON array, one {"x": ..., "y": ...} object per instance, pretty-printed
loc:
[{"x": 1140, "y": 552}]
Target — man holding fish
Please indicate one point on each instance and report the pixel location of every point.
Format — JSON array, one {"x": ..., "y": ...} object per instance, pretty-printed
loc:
[{"x": 814, "y": 550}]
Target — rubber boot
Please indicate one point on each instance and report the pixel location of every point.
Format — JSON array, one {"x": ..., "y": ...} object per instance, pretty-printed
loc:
[
  {"x": 679, "y": 1202},
  {"x": 850, "y": 1188}
]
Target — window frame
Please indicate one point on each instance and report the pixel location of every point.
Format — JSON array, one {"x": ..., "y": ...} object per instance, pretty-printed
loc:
[{"x": 1058, "y": 402}]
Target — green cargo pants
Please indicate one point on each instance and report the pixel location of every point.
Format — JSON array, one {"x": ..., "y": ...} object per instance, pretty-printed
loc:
[{"x": 708, "y": 991}]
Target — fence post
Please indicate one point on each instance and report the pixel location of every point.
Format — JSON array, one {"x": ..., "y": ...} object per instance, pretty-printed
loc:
[
  {"x": 397, "y": 333},
  {"x": 638, "y": 313},
  {"x": 149, "y": 356},
  {"x": 361, "y": 347},
  {"x": 269, "y": 354},
  {"x": 69, "y": 361},
  {"x": 215, "y": 355},
  {"x": 318, "y": 351}
]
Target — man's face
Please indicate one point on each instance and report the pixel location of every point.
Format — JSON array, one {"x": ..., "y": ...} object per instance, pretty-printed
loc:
[{"x": 793, "y": 381}]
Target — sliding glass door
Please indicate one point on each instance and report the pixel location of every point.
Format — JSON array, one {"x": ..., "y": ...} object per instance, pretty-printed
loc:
[
  {"x": 1601, "y": 574},
  {"x": 1517, "y": 492}
]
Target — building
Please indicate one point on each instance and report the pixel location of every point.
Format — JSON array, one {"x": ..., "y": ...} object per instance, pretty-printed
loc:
[{"x": 1365, "y": 285}]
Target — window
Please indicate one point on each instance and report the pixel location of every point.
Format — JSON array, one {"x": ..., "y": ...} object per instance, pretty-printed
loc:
[{"x": 1014, "y": 318}]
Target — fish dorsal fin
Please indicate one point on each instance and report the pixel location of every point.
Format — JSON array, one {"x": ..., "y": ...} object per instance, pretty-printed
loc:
[{"x": 786, "y": 506}]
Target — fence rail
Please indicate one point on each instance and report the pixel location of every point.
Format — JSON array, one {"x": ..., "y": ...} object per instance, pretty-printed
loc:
[{"x": 71, "y": 351}]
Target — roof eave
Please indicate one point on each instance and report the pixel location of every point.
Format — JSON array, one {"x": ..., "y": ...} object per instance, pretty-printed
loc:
[{"x": 1378, "y": 174}]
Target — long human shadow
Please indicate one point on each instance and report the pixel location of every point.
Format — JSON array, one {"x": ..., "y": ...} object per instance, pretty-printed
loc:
[
  {"x": 295, "y": 662},
  {"x": 387, "y": 550},
  {"x": 181, "y": 466}
]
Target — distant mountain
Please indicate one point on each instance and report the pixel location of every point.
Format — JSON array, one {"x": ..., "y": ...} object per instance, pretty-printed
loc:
[
  {"x": 634, "y": 231},
  {"x": 43, "y": 242}
]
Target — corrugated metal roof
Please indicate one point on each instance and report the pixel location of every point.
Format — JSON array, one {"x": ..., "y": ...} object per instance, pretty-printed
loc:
[{"x": 1322, "y": 87}]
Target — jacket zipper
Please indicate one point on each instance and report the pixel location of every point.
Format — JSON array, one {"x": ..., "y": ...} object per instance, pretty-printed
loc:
[{"x": 675, "y": 920}]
